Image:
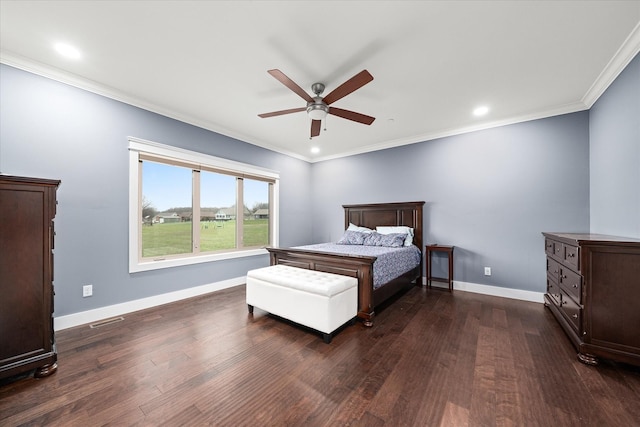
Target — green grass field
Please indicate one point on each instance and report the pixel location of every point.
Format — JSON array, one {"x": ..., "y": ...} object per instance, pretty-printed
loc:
[{"x": 175, "y": 238}]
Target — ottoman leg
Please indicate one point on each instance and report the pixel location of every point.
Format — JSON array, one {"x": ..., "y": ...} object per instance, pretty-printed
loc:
[{"x": 250, "y": 307}]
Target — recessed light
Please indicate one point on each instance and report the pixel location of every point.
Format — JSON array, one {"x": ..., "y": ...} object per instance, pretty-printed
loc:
[
  {"x": 481, "y": 111},
  {"x": 67, "y": 50},
  {"x": 315, "y": 150}
]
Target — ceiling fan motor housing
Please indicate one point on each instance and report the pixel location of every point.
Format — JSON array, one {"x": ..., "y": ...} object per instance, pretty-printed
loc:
[{"x": 317, "y": 88}]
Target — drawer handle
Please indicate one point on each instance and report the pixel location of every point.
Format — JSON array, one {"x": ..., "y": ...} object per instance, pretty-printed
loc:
[
  {"x": 570, "y": 255},
  {"x": 575, "y": 316},
  {"x": 575, "y": 285}
]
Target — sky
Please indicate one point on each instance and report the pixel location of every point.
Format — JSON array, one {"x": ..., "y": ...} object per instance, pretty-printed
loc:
[{"x": 168, "y": 186}]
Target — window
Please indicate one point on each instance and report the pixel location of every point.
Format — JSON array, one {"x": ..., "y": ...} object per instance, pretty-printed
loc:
[{"x": 187, "y": 207}]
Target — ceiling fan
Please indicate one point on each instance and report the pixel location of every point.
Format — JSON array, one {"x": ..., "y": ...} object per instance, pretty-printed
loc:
[{"x": 317, "y": 107}]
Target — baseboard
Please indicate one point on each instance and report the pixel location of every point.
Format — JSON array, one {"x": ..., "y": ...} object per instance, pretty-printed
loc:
[
  {"x": 90, "y": 316},
  {"x": 495, "y": 291}
]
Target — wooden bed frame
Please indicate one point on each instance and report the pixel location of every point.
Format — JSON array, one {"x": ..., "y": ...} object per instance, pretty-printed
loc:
[{"x": 361, "y": 267}]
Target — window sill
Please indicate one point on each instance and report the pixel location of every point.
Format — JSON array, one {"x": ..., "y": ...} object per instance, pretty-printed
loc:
[{"x": 139, "y": 266}]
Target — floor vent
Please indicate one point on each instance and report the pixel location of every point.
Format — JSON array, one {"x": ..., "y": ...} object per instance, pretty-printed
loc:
[{"x": 106, "y": 322}]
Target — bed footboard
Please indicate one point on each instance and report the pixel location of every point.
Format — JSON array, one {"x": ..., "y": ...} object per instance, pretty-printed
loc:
[{"x": 360, "y": 267}]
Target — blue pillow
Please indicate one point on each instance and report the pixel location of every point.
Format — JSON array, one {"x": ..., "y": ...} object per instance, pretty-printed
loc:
[
  {"x": 351, "y": 238},
  {"x": 392, "y": 240}
]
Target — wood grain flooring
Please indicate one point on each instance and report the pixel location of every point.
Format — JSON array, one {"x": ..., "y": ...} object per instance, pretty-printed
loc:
[{"x": 432, "y": 358}]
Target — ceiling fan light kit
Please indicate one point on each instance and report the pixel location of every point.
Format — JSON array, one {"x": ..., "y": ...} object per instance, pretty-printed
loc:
[
  {"x": 318, "y": 107},
  {"x": 317, "y": 111}
]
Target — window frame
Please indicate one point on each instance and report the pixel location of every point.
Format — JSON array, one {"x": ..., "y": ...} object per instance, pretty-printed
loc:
[{"x": 140, "y": 148}]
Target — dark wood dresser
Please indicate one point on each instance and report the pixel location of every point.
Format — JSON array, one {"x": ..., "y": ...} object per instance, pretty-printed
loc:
[
  {"x": 27, "y": 341},
  {"x": 593, "y": 289}
]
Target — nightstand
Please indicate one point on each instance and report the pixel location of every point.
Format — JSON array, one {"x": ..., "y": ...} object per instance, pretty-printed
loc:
[{"x": 430, "y": 249}]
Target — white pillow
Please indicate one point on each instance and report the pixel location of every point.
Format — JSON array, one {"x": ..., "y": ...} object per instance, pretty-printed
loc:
[
  {"x": 408, "y": 241},
  {"x": 353, "y": 227}
]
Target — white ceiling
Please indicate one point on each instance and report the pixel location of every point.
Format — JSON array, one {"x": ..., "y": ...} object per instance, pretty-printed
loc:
[{"x": 433, "y": 62}]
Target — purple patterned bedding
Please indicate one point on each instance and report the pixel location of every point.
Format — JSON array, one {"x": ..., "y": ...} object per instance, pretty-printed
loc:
[{"x": 390, "y": 262}]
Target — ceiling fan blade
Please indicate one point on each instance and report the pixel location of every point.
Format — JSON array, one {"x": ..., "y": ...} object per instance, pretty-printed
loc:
[
  {"x": 282, "y": 78},
  {"x": 281, "y": 112},
  {"x": 351, "y": 115},
  {"x": 315, "y": 127},
  {"x": 353, "y": 84}
]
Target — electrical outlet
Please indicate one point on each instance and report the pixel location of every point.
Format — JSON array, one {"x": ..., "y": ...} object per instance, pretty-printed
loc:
[
  {"x": 87, "y": 291},
  {"x": 487, "y": 271}
]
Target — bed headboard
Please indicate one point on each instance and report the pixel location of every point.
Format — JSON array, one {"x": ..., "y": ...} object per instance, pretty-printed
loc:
[{"x": 371, "y": 215}]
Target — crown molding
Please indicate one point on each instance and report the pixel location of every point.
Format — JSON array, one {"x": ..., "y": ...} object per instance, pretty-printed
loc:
[
  {"x": 556, "y": 111},
  {"x": 623, "y": 56},
  {"x": 620, "y": 60},
  {"x": 74, "y": 80}
]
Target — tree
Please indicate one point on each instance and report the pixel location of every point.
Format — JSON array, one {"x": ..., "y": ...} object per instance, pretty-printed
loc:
[{"x": 148, "y": 210}]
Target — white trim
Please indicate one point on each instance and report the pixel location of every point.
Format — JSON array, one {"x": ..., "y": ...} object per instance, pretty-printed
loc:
[
  {"x": 134, "y": 202},
  {"x": 275, "y": 223},
  {"x": 91, "y": 316},
  {"x": 190, "y": 260},
  {"x": 50, "y": 72},
  {"x": 142, "y": 145},
  {"x": 616, "y": 65},
  {"x": 495, "y": 291},
  {"x": 630, "y": 47},
  {"x": 138, "y": 145},
  {"x": 550, "y": 112}
]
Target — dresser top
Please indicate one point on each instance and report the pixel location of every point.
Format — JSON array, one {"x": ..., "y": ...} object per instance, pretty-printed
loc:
[
  {"x": 586, "y": 238},
  {"x": 28, "y": 180}
]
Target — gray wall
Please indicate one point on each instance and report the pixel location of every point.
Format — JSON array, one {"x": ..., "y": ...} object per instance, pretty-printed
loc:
[
  {"x": 614, "y": 122},
  {"x": 52, "y": 130},
  {"x": 490, "y": 193}
]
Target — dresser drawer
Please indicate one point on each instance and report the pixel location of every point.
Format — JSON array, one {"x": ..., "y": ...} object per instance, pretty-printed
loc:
[
  {"x": 553, "y": 269},
  {"x": 571, "y": 256},
  {"x": 571, "y": 311},
  {"x": 571, "y": 283},
  {"x": 548, "y": 247},
  {"x": 553, "y": 291},
  {"x": 558, "y": 250}
]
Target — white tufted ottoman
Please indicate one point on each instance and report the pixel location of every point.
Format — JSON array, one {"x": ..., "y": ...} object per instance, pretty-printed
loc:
[{"x": 322, "y": 301}]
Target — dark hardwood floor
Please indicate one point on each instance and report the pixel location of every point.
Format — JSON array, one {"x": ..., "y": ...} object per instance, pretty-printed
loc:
[{"x": 431, "y": 359}]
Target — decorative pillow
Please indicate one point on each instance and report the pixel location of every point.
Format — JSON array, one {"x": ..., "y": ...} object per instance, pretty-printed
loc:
[
  {"x": 353, "y": 227},
  {"x": 352, "y": 238},
  {"x": 399, "y": 229},
  {"x": 393, "y": 240}
]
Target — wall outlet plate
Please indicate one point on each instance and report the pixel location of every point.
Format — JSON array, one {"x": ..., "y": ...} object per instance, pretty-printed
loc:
[
  {"x": 487, "y": 271},
  {"x": 87, "y": 291}
]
